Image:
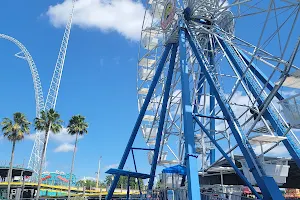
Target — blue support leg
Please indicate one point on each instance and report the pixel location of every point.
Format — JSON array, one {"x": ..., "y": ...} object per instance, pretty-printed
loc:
[
  {"x": 191, "y": 158},
  {"x": 212, "y": 124},
  {"x": 267, "y": 184},
  {"x": 236, "y": 169},
  {"x": 140, "y": 118},
  {"x": 162, "y": 117}
]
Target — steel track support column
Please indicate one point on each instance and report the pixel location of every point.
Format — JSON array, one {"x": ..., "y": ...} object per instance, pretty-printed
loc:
[
  {"x": 140, "y": 118},
  {"x": 191, "y": 158},
  {"x": 162, "y": 117},
  {"x": 267, "y": 184},
  {"x": 236, "y": 169}
]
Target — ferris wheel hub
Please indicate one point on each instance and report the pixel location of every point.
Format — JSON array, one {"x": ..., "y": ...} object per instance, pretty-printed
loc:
[{"x": 187, "y": 13}]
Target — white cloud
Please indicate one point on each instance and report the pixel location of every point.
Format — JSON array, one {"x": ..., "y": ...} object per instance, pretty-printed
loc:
[
  {"x": 62, "y": 139},
  {"x": 30, "y": 137},
  {"x": 47, "y": 164},
  {"x": 112, "y": 166},
  {"x": 88, "y": 178},
  {"x": 122, "y": 16},
  {"x": 240, "y": 99},
  {"x": 289, "y": 93},
  {"x": 279, "y": 151},
  {"x": 66, "y": 147}
]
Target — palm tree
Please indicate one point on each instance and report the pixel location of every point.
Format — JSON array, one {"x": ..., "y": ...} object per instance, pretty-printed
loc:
[
  {"x": 48, "y": 121},
  {"x": 77, "y": 126},
  {"x": 14, "y": 130}
]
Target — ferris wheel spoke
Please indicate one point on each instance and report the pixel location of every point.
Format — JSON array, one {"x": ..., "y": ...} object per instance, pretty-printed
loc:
[
  {"x": 257, "y": 56},
  {"x": 277, "y": 31},
  {"x": 262, "y": 11}
]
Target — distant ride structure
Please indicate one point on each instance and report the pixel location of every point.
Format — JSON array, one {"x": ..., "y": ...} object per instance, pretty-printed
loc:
[
  {"x": 36, "y": 154},
  {"x": 58, "y": 178},
  {"x": 24, "y": 54},
  {"x": 202, "y": 88}
]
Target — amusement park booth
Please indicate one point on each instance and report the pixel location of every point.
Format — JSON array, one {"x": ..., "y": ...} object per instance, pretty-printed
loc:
[
  {"x": 18, "y": 186},
  {"x": 172, "y": 181}
]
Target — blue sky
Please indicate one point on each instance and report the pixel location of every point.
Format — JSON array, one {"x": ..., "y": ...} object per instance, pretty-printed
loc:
[
  {"x": 99, "y": 79},
  {"x": 99, "y": 82}
]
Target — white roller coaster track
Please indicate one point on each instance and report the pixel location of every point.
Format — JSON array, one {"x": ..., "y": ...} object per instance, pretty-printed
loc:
[
  {"x": 35, "y": 157},
  {"x": 55, "y": 82},
  {"x": 39, "y": 98}
]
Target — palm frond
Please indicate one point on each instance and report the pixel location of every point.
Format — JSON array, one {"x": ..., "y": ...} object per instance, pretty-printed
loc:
[
  {"x": 49, "y": 120},
  {"x": 15, "y": 129},
  {"x": 77, "y": 124}
]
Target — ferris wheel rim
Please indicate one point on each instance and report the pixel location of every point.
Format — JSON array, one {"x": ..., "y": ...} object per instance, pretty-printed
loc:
[{"x": 229, "y": 40}]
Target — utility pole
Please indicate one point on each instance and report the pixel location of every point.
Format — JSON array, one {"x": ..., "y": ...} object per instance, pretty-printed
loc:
[{"x": 98, "y": 173}]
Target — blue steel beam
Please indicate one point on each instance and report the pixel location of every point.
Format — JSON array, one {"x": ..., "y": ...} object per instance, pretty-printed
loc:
[
  {"x": 162, "y": 117},
  {"x": 140, "y": 118},
  {"x": 135, "y": 168},
  {"x": 267, "y": 184},
  {"x": 291, "y": 143},
  {"x": 191, "y": 158},
  {"x": 236, "y": 169},
  {"x": 212, "y": 123},
  {"x": 199, "y": 91}
]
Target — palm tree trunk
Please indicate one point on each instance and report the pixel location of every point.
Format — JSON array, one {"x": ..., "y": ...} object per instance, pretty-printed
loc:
[
  {"x": 72, "y": 166},
  {"x": 9, "y": 175},
  {"x": 42, "y": 162}
]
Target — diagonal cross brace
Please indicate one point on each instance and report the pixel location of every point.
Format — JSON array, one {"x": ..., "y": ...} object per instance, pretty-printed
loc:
[{"x": 162, "y": 117}]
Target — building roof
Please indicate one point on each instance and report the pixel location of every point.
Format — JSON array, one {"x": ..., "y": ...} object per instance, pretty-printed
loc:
[
  {"x": 17, "y": 171},
  {"x": 177, "y": 169}
]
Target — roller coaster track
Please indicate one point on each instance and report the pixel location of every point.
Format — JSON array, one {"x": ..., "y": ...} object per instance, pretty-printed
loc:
[{"x": 24, "y": 54}]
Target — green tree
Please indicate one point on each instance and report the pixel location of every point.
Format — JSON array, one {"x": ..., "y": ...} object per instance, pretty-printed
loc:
[
  {"x": 133, "y": 183},
  {"x": 88, "y": 184},
  {"x": 77, "y": 126},
  {"x": 14, "y": 130},
  {"x": 48, "y": 121},
  {"x": 158, "y": 184}
]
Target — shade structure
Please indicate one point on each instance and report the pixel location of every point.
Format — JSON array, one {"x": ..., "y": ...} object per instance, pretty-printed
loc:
[{"x": 177, "y": 169}]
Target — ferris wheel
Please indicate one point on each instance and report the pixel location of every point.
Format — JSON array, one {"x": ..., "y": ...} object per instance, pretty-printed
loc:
[{"x": 213, "y": 79}]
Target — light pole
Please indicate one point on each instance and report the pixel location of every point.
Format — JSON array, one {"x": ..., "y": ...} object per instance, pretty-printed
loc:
[{"x": 98, "y": 173}]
